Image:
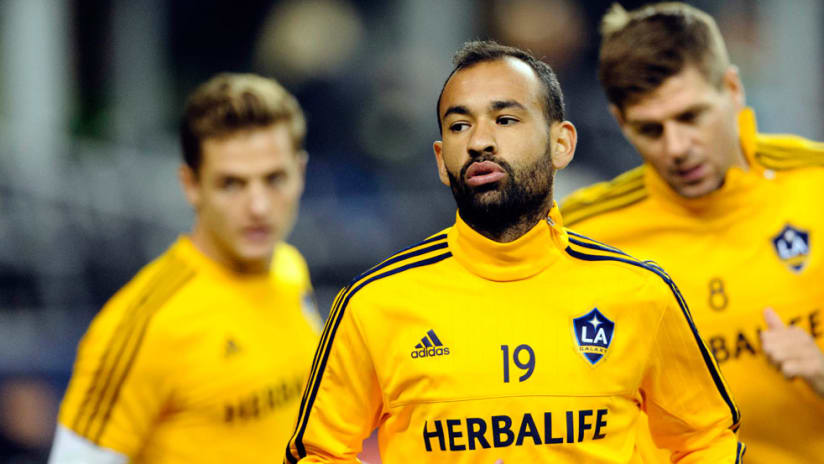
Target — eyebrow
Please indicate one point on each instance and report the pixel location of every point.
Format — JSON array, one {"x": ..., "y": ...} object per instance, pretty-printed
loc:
[
  {"x": 501, "y": 105},
  {"x": 456, "y": 109},
  {"x": 496, "y": 105},
  {"x": 697, "y": 108}
]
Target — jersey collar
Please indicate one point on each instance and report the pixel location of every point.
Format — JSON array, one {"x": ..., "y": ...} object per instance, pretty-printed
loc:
[
  {"x": 520, "y": 259},
  {"x": 187, "y": 251}
]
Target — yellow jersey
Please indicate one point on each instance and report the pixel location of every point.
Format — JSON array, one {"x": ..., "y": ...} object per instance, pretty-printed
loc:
[
  {"x": 190, "y": 362},
  {"x": 751, "y": 244},
  {"x": 464, "y": 350}
]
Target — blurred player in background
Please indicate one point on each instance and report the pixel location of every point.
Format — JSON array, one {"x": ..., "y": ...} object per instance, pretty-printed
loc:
[
  {"x": 203, "y": 355},
  {"x": 733, "y": 215},
  {"x": 444, "y": 348}
]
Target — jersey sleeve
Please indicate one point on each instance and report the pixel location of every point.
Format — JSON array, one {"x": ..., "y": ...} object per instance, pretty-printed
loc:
[
  {"x": 690, "y": 408},
  {"x": 70, "y": 448},
  {"x": 342, "y": 403},
  {"x": 120, "y": 383}
]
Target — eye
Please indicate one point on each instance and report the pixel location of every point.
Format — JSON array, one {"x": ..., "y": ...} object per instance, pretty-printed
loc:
[
  {"x": 230, "y": 183},
  {"x": 276, "y": 179},
  {"x": 506, "y": 120},
  {"x": 458, "y": 126},
  {"x": 689, "y": 117},
  {"x": 652, "y": 131}
]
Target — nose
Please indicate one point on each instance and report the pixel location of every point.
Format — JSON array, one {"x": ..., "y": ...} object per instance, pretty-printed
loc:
[
  {"x": 482, "y": 140},
  {"x": 259, "y": 201},
  {"x": 677, "y": 141}
]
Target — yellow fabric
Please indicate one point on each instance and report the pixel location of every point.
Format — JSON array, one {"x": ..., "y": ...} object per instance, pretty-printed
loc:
[
  {"x": 719, "y": 250},
  {"x": 421, "y": 345},
  {"x": 190, "y": 362}
]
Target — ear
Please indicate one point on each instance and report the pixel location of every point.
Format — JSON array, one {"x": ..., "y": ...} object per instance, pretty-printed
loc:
[
  {"x": 190, "y": 184},
  {"x": 302, "y": 159},
  {"x": 437, "y": 147},
  {"x": 732, "y": 83},
  {"x": 564, "y": 139}
]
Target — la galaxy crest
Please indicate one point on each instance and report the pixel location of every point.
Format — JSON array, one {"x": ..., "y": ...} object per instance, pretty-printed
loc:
[
  {"x": 593, "y": 335},
  {"x": 793, "y": 247}
]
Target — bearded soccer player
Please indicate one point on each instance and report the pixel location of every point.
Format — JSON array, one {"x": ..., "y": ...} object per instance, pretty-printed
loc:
[
  {"x": 506, "y": 336},
  {"x": 731, "y": 213},
  {"x": 203, "y": 355}
]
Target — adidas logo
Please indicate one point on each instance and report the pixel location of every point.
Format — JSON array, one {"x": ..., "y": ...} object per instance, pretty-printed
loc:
[
  {"x": 429, "y": 346},
  {"x": 231, "y": 348}
]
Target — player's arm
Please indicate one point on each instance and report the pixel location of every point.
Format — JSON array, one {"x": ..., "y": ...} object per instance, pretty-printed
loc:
[
  {"x": 118, "y": 387},
  {"x": 793, "y": 351},
  {"x": 691, "y": 410},
  {"x": 342, "y": 403}
]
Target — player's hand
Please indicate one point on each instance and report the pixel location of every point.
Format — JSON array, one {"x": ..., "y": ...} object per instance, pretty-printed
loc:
[{"x": 793, "y": 351}]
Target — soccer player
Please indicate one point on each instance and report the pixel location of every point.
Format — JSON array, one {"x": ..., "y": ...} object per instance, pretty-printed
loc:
[
  {"x": 505, "y": 336},
  {"x": 730, "y": 213},
  {"x": 203, "y": 355}
]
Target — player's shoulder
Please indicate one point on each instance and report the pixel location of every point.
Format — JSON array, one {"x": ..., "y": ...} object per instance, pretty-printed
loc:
[
  {"x": 289, "y": 265},
  {"x": 418, "y": 257},
  {"x": 605, "y": 197},
  {"x": 606, "y": 263},
  {"x": 153, "y": 286},
  {"x": 788, "y": 153}
]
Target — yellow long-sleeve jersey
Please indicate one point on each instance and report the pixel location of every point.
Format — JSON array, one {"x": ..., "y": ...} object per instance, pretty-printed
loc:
[
  {"x": 190, "y": 362},
  {"x": 755, "y": 243},
  {"x": 460, "y": 349}
]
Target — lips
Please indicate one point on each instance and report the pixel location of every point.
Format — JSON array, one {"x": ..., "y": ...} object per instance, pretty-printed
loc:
[
  {"x": 692, "y": 174},
  {"x": 257, "y": 233},
  {"x": 484, "y": 172}
]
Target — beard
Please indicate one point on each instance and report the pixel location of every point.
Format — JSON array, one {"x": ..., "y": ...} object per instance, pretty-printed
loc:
[{"x": 522, "y": 197}]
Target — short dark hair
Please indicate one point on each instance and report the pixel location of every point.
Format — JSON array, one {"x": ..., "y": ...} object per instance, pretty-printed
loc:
[
  {"x": 228, "y": 103},
  {"x": 480, "y": 51},
  {"x": 642, "y": 48}
]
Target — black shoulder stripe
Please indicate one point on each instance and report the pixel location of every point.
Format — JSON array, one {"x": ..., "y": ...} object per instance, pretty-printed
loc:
[
  {"x": 124, "y": 345},
  {"x": 400, "y": 256},
  {"x": 708, "y": 360},
  {"x": 119, "y": 337},
  {"x": 575, "y": 215},
  {"x": 592, "y": 244},
  {"x": 739, "y": 455},
  {"x": 395, "y": 258},
  {"x": 615, "y": 192},
  {"x": 312, "y": 388}
]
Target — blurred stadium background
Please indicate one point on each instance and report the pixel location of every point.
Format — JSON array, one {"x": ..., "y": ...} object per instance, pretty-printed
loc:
[{"x": 90, "y": 92}]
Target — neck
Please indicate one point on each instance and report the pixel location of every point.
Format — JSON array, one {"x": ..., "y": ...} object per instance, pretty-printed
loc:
[
  {"x": 209, "y": 246},
  {"x": 509, "y": 231}
]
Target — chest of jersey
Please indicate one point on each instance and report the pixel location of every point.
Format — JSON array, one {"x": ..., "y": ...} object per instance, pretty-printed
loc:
[
  {"x": 245, "y": 358},
  {"x": 242, "y": 362},
  {"x": 472, "y": 364}
]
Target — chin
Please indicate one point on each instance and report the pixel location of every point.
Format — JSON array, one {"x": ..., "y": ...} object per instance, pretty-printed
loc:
[{"x": 256, "y": 254}]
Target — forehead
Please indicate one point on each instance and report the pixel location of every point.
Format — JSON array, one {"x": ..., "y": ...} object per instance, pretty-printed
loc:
[
  {"x": 675, "y": 95},
  {"x": 502, "y": 79},
  {"x": 249, "y": 151}
]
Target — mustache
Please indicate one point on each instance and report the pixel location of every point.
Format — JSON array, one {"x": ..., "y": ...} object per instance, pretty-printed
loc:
[{"x": 499, "y": 161}]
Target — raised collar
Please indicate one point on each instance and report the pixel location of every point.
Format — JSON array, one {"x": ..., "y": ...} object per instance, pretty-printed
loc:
[
  {"x": 739, "y": 185},
  {"x": 520, "y": 259},
  {"x": 185, "y": 250}
]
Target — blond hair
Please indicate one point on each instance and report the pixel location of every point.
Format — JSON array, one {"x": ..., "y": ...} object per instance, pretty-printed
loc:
[{"x": 229, "y": 103}]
